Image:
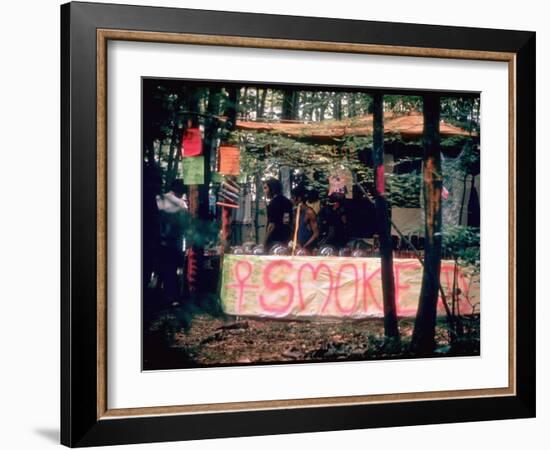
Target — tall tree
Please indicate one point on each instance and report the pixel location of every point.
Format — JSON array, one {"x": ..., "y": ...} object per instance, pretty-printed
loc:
[
  {"x": 337, "y": 106},
  {"x": 153, "y": 115},
  {"x": 210, "y": 140},
  {"x": 311, "y": 107},
  {"x": 261, "y": 103},
  {"x": 195, "y": 259},
  {"x": 230, "y": 111},
  {"x": 232, "y": 106},
  {"x": 352, "y": 110},
  {"x": 288, "y": 105},
  {"x": 244, "y": 104},
  {"x": 295, "y": 105},
  {"x": 391, "y": 330},
  {"x": 174, "y": 151},
  {"x": 423, "y": 340}
]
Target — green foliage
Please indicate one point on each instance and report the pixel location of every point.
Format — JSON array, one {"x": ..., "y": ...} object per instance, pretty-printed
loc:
[
  {"x": 404, "y": 189},
  {"x": 469, "y": 159},
  {"x": 454, "y": 141},
  {"x": 401, "y": 104},
  {"x": 197, "y": 232},
  {"x": 311, "y": 106},
  {"x": 356, "y": 141},
  {"x": 265, "y": 153},
  {"x": 462, "y": 243},
  {"x": 461, "y": 112}
]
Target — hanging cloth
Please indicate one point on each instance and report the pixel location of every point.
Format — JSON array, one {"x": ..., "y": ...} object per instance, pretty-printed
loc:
[
  {"x": 473, "y": 207},
  {"x": 191, "y": 142}
]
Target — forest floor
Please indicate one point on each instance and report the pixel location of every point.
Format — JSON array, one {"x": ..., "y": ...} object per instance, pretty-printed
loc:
[{"x": 212, "y": 341}]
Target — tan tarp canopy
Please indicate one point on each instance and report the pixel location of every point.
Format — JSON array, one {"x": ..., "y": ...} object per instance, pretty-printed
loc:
[{"x": 409, "y": 126}]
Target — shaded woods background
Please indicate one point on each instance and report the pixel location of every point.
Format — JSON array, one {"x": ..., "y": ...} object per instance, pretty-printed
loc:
[{"x": 428, "y": 148}]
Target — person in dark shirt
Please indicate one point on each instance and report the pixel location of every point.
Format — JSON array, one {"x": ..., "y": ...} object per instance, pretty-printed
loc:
[
  {"x": 279, "y": 214},
  {"x": 334, "y": 222}
]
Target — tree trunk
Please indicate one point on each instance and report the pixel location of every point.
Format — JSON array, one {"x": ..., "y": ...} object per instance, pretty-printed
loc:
[
  {"x": 337, "y": 107},
  {"x": 311, "y": 107},
  {"x": 272, "y": 104},
  {"x": 173, "y": 153},
  {"x": 352, "y": 105},
  {"x": 243, "y": 104},
  {"x": 195, "y": 258},
  {"x": 210, "y": 138},
  {"x": 322, "y": 106},
  {"x": 457, "y": 320},
  {"x": 231, "y": 107},
  {"x": 258, "y": 189},
  {"x": 150, "y": 128},
  {"x": 295, "y": 105},
  {"x": 198, "y": 194},
  {"x": 288, "y": 103},
  {"x": 261, "y": 104},
  {"x": 391, "y": 330},
  {"x": 173, "y": 173},
  {"x": 463, "y": 199},
  {"x": 174, "y": 149},
  {"x": 230, "y": 112},
  {"x": 473, "y": 205},
  {"x": 423, "y": 340}
]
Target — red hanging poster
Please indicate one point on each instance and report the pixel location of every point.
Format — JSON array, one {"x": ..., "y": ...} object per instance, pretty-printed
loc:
[{"x": 191, "y": 142}]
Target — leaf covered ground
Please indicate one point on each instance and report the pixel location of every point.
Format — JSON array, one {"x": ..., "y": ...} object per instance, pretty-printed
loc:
[{"x": 212, "y": 341}]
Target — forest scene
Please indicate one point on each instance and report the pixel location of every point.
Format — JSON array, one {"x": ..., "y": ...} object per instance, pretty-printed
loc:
[{"x": 297, "y": 224}]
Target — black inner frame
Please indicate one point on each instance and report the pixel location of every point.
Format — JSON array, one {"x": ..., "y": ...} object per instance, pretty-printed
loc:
[{"x": 79, "y": 423}]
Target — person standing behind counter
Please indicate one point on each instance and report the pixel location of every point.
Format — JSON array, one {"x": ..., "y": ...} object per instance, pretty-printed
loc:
[
  {"x": 279, "y": 214},
  {"x": 308, "y": 232},
  {"x": 334, "y": 221}
]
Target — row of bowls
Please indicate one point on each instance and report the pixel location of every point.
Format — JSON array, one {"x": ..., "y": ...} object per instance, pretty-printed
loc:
[{"x": 249, "y": 248}]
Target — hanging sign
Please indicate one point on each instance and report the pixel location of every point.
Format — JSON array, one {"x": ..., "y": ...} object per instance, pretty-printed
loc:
[
  {"x": 230, "y": 160},
  {"x": 191, "y": 142},
  {"x": 309, "y": 287},
  {"x": 193, "y": 170}
]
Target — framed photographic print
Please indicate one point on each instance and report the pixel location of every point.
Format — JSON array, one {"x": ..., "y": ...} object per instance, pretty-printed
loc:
[{"x": 278, "y": 224}]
